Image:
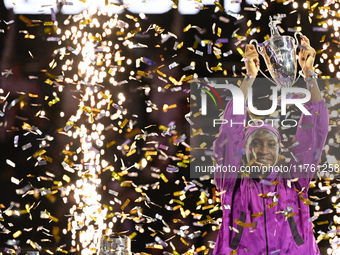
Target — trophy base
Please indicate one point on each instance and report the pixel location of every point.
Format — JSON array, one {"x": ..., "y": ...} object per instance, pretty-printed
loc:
[{"x": 119, "y": 245}]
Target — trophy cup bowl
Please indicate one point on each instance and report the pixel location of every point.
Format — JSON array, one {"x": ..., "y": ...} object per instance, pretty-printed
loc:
[
  {"x": 279, "y": 53},
  {"x": 280, "y": 57}
]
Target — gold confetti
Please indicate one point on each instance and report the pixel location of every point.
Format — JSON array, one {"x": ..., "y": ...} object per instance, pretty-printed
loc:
[
  {"x": 195, "y": 45},
  {"x": 60, "y": 249},
  {"x": 187, "y": 28},
  {"x": 219, "y": 31},
  {"x": 161, "y": 74},
  {"x": 272, "y": 205},
  {"x": 95, "y": 38},
  {"x": 133, "y": 235},
  {"x": 48, "y": 159},
  {"x": 39, "y": 153},
  {"x": 66, "y": 178},
  {"x": 54, "y": 101},
  {"x": 246, "y": 225},
  {"x": 163, "y": 177},
  {"x": 131, "y": 17},
  {"x": 219, "y": 6},
  {"x": 217, "y": 68},
  {"x": 248, "y": 32},
  {"x": 117, "y": 177},
  {"x": 25, "y": 20},
  {"x": 122, "y": 125},
  {"x": 49, "y": 82},
  {"x": 131, "y": 152},
  {"x": 167, "y": 107},
  {"x": 322, "y": 222},
  {"x": 48, "y": 23},
  {"x": 240, "y": 51},
  {"x": 86, "y": 21},
  {"x": 125, "y": 204},
  {"x": 69, "y": 162},
  {"x": 108, "y": 145},
  {"x": 151, "y": 153},
  {"x": 17, "y": 234},
  {"x": 306, "y": 201},
  {"x": 254, "y": 215},
  {"x": 142, "y": 73},
  {"x": 202, "y": 145},
  {"x": 182, "y": 164},
  {"x": 183, "y": 241},
  {"x": 199, "y": 249}
]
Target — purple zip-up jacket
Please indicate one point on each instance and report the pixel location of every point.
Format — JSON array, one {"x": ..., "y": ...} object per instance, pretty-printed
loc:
[{"x": 274, "y": 232}]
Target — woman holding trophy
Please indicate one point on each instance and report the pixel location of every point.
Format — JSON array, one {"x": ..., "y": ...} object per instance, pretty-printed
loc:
[{"x": 269, "y": 215}]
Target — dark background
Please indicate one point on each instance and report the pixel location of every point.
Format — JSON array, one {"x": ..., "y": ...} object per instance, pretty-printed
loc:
[{"x": 14, "y": 55}]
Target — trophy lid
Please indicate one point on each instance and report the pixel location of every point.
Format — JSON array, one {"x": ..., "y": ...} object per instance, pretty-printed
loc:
[{"x": 273, "y": 27}]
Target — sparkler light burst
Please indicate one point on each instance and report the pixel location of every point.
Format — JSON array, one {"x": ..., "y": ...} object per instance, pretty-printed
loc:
[{"x": 92, "y": 57}]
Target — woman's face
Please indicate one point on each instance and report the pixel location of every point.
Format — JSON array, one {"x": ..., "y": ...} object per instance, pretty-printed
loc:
[{"x": 263, "y": 145}]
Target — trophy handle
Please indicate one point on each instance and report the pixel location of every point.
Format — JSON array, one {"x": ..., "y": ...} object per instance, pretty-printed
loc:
[
  {"x": 296, "y": 46},
  {"x": 296, "y": 40},
  {"x": 259, "y": 49}
]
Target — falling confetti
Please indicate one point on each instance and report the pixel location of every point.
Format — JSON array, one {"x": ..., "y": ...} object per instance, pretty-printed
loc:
[{"x": 116, "y": 174}]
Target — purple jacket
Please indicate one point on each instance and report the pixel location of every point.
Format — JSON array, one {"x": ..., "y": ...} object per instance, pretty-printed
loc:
[{"x": 251, "y": 224}]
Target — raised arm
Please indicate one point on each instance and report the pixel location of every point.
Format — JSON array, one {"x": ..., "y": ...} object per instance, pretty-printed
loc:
[
  {"x": 229, "y": 144},
  {"x": 252, "y": 64},
  {"x": 306, "y": 60},
  {"x": 312, "y": 129}
]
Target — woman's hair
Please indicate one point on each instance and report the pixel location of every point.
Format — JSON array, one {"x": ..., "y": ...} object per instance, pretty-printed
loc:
[
  {"x": 252, "y": 129},
  {"x": 261, "y": 131}
]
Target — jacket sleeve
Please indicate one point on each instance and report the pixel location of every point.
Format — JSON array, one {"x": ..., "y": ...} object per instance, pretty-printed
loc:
[
  {"x": 229, "y": 148},
  {"x": 309, "y": 142}
]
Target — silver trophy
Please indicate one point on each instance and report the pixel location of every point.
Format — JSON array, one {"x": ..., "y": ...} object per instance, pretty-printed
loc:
[
  {"x": 118, "y": 245},
  {"x": 279, "y": 53}
]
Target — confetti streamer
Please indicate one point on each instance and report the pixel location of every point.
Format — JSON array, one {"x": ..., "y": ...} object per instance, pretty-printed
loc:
[{"x": 116, "y": 122}]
